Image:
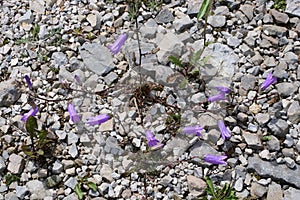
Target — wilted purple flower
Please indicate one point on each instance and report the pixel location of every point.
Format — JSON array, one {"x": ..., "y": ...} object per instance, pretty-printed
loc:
[
  {"x": 192, "y": 130},
  {"x": 32, "y": 112},
  {"x": 73, "y": 114},
  {"x": 77, "y": 79},
  {"x": 115, "y": 48},
  {"x": 270, "y": 80},
  {"x": 224, "y": 131},
  {"x": 218, "y": 97},
  {"x": 27, "y": 79},
  {"x": 223, "y": 89},
  {"x": 152, "y": 141},
  {"x": 98, "y": 119},
  {"x": 218, "y": 160}
]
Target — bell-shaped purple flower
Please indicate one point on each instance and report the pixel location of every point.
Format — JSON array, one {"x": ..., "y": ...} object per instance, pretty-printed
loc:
[
  {"x": 192, "y": 130},
  {"x": 27, "y": 79},
  {"x": 269, "y": 80},
  {"x": 225, "y": 133},
  {"x": 218, "y": 97},
  {"x": 218, "y": 160},
  {"x": 116, "y": 47},
  {"x": 32, "y": 112},
  {"x": 73, "y": 114},
  {"x": 99, "y": 119},
  {"x": 152, "y": 141},
  {"x": 223, "y": 89}
]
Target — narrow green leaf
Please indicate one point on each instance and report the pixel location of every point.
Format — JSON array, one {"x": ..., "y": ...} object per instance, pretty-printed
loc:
[
  {"x": 78, "y": 191},
  {"x": 210, "y": 185},
  {"x": 176, "y": 61},
  {"x": 203, "y": 9},
  {"x": 43, "y": 134},
  {"x": 31, "y": 126},
  {"x": 93, "y": 186},
  {"x": 266, "y": 138}
]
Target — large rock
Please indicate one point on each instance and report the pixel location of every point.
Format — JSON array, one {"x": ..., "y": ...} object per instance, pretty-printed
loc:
[
  {"x": 97, "y": 58},
  {"x": 275, "y": 171},
  {"x": 293, "y": 7},
  {"x": 37, "y": 189},
  {"x": 8, "y": 93}
]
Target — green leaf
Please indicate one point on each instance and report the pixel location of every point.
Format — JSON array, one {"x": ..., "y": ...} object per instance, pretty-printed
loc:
[
  {"x": 78, "y": 191},
  {"x": 31, "y": 126},
  {"x": 210, "y": 185},
  {"x": 203, "y": 9},
  {"x": 27, "y": 150},
  {"x": 176, "y": 61},
  {"x": 93, "y": 186},
  {"x": 43, "y": 134},
  {"x": 266, "y": 138}
]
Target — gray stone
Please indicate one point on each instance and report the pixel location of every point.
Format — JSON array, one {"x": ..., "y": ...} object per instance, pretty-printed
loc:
[
  {"x": 268, "y": 19},
  {"x": 71, "y": 183},
  {"x": 95, "y": 20},
  {"x": 9, "y": 93},
  {"x": 201, "y": 148},
  {"x": 292, "y": 7},
  {"x": 84, "y": 139},
  {"x": 247, "y": 82},
  {"x": 247, "y": 10},
  {"x": 196, "y": 185},
  {"x": 275, "y": 171},
  {"x": 111, "y": 146},
  {"x": 59, "y": 58},
  {"x": 290, "y": 162},
  {"x": 37, "y": 6},
  {"x": 216, "y": 21},
  {"x": 257, "y": 59},
  {"x": 293, "y": 112},
  {"x": 57, "y": 167},
  {"x": 11, "y": 196},
  {"x": 164, "y": 16},
  {"x": 166, "y": 180},
  {"x": 110, "y": 78},
  {"x": 273, "y": 144},
  {"x": 16, "y": 164},
  {"x": 279, "y": 17},
  {"x": 239, "y": 184},
  {"x": 106, "y": 172},
  {"x": 233, "y": 41},
  {"x": 286, "y": 89},
  {"x": 96, "y": 58},
  {"x": 169, "y": 45},
  {"x": 21, "y": 191},
  {"x": 72, "y": 138},
  {"x": 149, "y": 30},
  {"x": 290, "y": 58},
  {"x": 274, "y": 30},
  {"x": 279, "y": 127},
  {"x": 2, "y": 164},
  {"x": 291, "y": 194},
  {"x": 53, "y": 181},
  {"x": 193, "y": 7},
  {"x": 269, "y": 61},
  {"x": 61, "y": 134},
  {"x": 274, "y": 192},
  {"x": 36, "y": 189},
  {"x": 257, "y": 190},
  {"x": 27, "y": 17},
  {"x": 182, "y": 24},
  {"x": 252, "y": 140},
  {"x": 262, "y": 118},
  {"x": 73, "y": 151}
]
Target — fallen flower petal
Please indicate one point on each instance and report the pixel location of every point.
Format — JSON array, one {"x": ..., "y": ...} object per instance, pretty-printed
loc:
[
  {"x": 27, "y": 79},
  {"x": 223, "y": 89},
  {"x": 32, "y": 112},
  {"x": 73, "y": 114},
  {"x": 218, "y": 97},
  {"x": 78, "y": 80},
  {"x": 152, "y": 141},
  {"x": 218, "y": 160},
  {"x": 224, "y": 131},
  {"x": 192, "y": 130},
  {"x": 269, "y": 80},
  {"x": 116, "y": 47},
  {"x": 92, "y": 121}
]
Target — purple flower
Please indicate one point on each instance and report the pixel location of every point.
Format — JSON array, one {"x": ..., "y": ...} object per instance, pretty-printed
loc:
[
  {"x": 98, "y": 119},
  {"x": 77, "y": 79},
  {"x": 193, "y": 130},
  {"x": 218, "y": 160},
  {"x": 32, "y": 112},
  {"x": 270, "y": 80},
  {"x": 224, "y": 131},
  {"x": 152, "y": 141},
  {"x": 27, "y": 79},
  {"x": 218, "y": 97},
  {"x": 115, "y": 48},
  {"x": 223, "y": 89},
  {"x": 73, "y": 114}
]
